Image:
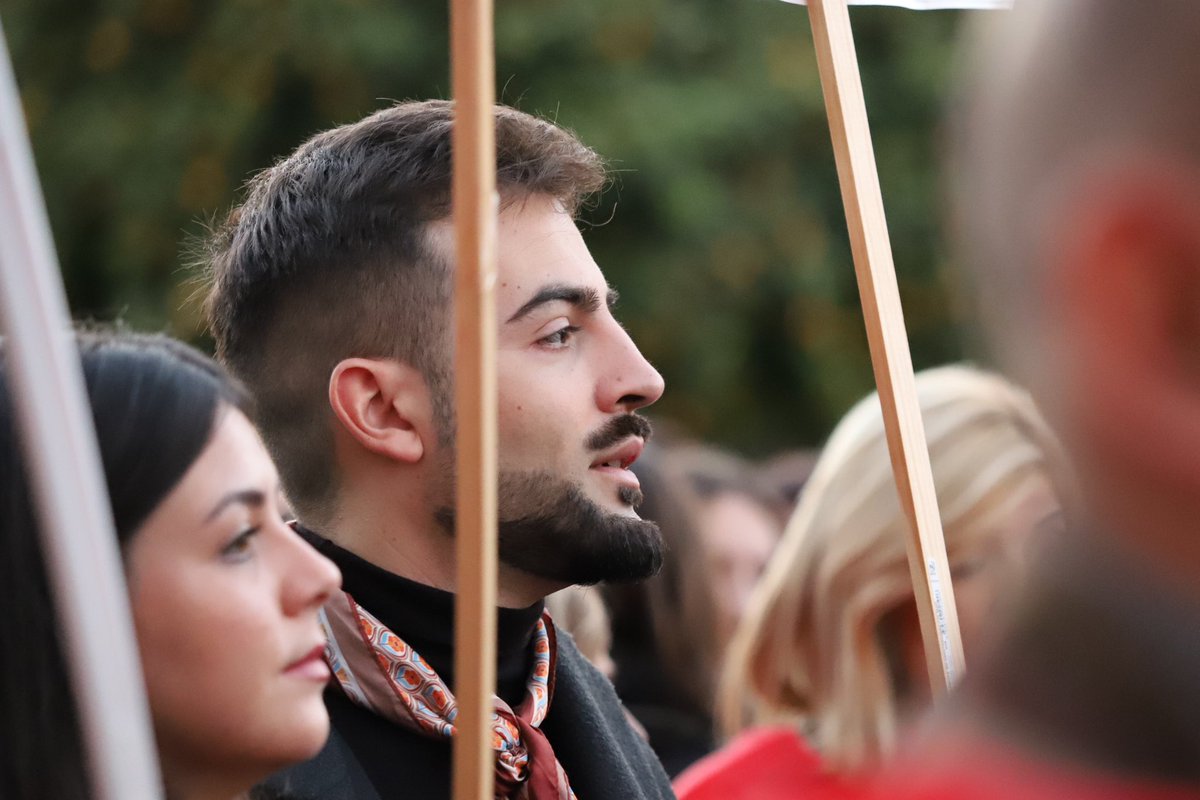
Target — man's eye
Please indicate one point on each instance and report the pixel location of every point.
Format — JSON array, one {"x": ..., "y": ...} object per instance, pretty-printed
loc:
[
  {"x": 240, "y": 546},
  {"x": 560, "y": 337}
]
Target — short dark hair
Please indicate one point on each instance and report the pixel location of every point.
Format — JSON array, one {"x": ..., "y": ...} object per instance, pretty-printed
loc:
[
  {"x": 327, "y": 258},
  {"x": 155, "y": 403}
]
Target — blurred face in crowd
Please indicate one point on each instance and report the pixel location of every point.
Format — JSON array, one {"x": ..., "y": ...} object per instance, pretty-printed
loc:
[
  {"x": 987, "y": 576},
  {"x": 569, "y": 381},
  {"x": 739, "y": 535},
  {"x": 225, "y": 599},
  {"x": 984, "y": 579}
]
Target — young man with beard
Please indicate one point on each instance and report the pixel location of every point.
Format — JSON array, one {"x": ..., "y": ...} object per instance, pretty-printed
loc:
[
  {"x": 1080, "y": 193},
  {"x": 331, "y": 299}
]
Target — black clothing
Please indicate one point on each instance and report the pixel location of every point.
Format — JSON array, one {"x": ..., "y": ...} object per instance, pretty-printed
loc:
[
  {"x": 680, "y": 733},
  {"x": 680, "y": 729},
  {"x": 369, "y": 758}
]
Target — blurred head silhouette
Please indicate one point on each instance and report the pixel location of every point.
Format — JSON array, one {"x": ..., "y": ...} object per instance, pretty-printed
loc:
[{"x": 1079, "y": 206}]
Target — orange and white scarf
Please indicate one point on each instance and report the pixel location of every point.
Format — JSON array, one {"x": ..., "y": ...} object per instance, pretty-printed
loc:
[{"x": 376, "y": 669}]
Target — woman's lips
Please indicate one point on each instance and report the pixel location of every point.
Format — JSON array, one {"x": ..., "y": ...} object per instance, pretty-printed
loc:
[{"x": 311, "y": 666}]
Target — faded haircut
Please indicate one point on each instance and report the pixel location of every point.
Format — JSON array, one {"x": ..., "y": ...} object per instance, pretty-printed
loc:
[
  {"x": 328, "y": 258},
  {"x": 1059, "y": 87}
]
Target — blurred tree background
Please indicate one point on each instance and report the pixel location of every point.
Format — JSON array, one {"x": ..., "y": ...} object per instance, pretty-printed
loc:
[{"x": 723, "y": 229}]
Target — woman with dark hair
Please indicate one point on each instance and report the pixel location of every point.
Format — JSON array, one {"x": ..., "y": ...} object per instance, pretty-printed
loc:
[{"x": 224, "y": 595}]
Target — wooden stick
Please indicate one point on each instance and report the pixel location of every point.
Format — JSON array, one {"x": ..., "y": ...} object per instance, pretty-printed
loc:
[
  {"x": 66, "y": 478},
  {"x": 475, "y": 209},
  {"x": 888, "y": 340}
]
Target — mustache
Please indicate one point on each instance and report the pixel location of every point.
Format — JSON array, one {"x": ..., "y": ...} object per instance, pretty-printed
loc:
[{"x": 618, "y": 429}]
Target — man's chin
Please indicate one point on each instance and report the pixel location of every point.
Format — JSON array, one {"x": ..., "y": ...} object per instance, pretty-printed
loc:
[
  {"x": 607, "y": 546},
  {"x": 571, "y": 535}
]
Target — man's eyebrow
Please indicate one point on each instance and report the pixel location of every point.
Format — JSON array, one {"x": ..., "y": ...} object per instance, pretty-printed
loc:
[
  {"x": 247, "y": 497},
  {"x": 583, "y": 297}
]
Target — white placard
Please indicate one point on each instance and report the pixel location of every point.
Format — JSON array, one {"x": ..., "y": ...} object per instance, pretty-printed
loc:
[{"x": 924, "y": 5}]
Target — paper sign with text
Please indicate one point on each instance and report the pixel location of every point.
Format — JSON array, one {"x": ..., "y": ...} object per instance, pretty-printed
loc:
[{"x": 925, "y": 5}]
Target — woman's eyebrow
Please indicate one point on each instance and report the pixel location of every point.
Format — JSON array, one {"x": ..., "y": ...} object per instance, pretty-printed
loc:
[{"x": 248, "y": 497}]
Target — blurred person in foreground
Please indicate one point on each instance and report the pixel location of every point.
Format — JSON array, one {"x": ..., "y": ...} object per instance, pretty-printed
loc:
[
  {"x": 670, "y": 632},
  {"x": 224, "y": 595},
  {"x": 828, "y": 667},
  {"x": 1079, "y": 194},
  {"x": 332, "y": 299}
]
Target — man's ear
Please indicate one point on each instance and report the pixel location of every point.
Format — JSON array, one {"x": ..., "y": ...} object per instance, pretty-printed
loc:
[
  {"x": 1126, "y": 275},
  {"x": 384, "y": 405}
]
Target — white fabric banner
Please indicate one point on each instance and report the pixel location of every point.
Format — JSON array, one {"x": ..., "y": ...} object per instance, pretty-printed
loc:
[{"x": 924, "y": 5}]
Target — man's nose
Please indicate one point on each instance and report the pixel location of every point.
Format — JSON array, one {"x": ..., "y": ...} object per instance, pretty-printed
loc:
[{"x": 631, "y": 381}]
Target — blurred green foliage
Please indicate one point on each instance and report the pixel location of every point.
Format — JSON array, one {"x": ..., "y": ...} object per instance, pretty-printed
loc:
[{"x": 723, "y": 230}]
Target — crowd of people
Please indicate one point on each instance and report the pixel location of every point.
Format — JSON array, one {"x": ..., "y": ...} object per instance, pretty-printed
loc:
[{"x": 754, "y": 632}]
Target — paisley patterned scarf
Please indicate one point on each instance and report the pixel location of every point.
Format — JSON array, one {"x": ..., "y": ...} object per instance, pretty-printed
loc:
[{"x": 376, "y": 669}]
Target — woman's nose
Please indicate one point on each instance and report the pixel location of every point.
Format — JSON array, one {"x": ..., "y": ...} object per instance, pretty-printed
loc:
[{"x": 311, "y": 579}]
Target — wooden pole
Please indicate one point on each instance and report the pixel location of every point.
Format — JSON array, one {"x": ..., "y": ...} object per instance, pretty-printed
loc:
[
  {"x": 66, "y": 478},
  {"x": 475, "y": 209},
  {"x": 888, "y": 340}
]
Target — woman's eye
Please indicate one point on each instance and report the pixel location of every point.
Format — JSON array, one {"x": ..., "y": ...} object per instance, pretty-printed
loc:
[
  {"x": 240, "y": 546},
  {"x": 967, "y": 568},
  {"x": 560, "y": 337},
  {"x": 1054, "y": 524}
]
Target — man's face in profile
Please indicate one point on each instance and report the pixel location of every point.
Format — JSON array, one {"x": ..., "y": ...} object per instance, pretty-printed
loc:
[{"x": 569, "y": 379}]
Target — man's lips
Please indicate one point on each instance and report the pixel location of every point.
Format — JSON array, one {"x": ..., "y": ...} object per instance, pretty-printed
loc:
[
  {"x": 310, "y": 666},
  {"x": 622, "y": 456},
  {"x": 616, "y": 460}
]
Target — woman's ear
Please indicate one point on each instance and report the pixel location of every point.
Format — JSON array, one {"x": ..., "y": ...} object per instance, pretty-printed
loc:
[{"x": 384, "y": 405}]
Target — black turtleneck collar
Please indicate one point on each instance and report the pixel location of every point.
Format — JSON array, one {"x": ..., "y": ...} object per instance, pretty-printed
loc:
[{"x": 424, "y": 618}]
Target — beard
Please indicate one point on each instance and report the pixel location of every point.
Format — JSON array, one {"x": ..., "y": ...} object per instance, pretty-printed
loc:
[{"x": 550, "y": 528}]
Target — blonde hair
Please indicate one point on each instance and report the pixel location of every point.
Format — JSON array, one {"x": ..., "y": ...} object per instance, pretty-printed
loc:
[
  {"x": 580, "y": 611},
  {"x": 811, "y": 650}
]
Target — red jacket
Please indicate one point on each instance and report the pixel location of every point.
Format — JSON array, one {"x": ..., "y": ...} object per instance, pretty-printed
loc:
[
  {"x": 776, "y": 764},
  {"x": 973, "y": 768},
  {"x": 763, "y": 764}
]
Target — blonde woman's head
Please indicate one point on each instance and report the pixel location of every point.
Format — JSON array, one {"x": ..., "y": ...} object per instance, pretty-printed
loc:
[{"x": 831, "y": 642}]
